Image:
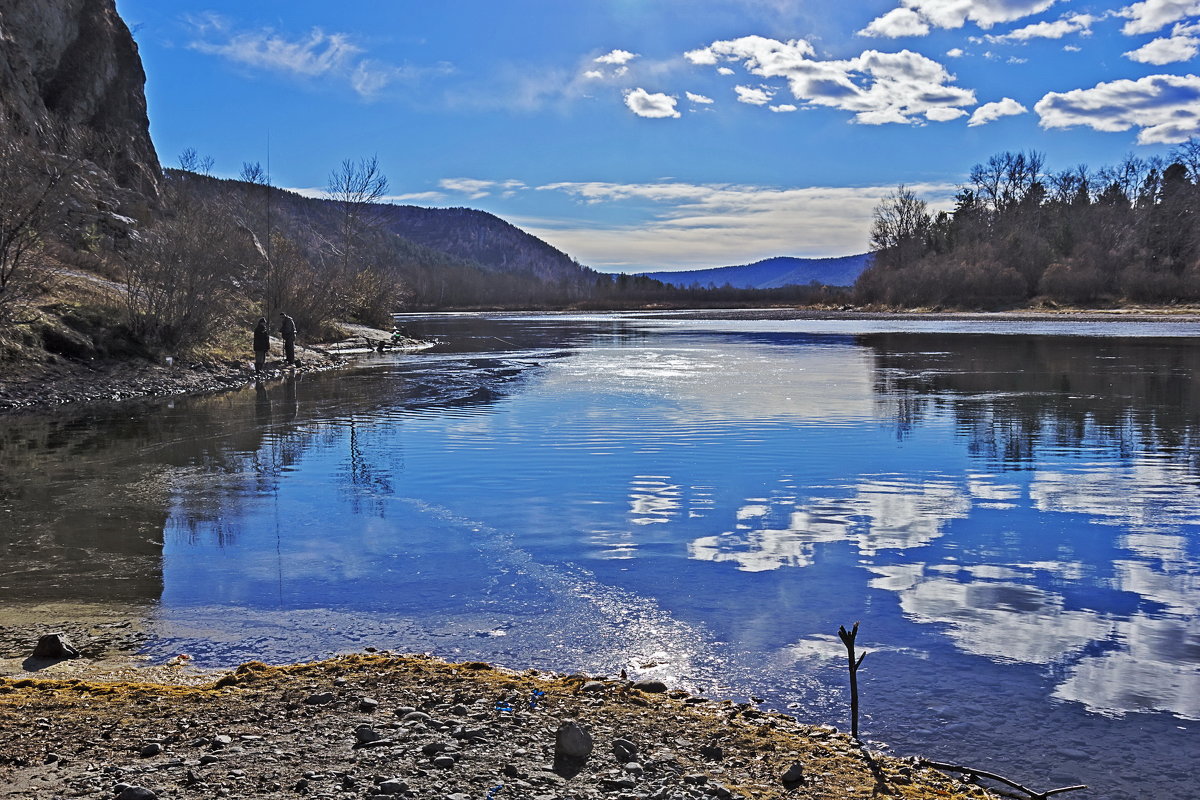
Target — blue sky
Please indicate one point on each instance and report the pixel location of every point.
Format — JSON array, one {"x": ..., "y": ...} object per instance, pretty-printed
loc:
[{"x": 667, "y": 134}]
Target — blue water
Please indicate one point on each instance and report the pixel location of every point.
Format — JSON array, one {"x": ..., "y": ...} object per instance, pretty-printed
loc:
[{"x": 1010, "y": 511}]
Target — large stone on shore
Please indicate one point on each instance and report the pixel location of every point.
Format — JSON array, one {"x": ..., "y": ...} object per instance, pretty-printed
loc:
[
  {"x": 136, "y": 793},
  {"x": 572, "y": 741},
  {"x": 624, "y": 750},
  {"x": 652, "y": 686},
  {"x": 54, "y": 645},
  {"x": 794, "y": 775}
]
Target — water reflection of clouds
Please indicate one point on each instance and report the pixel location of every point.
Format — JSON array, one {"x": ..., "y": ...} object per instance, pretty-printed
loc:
[
  {"x": 1144, "y": 662},
  {"x": 1149, "y": 494},
  {"x": 653, "y": 499},
  {"x": 728, "y": 380},
  {"x": 1111, "y": 663},
  {"x": 1000, "y": 619},
  {"x": 882, "y": 514}
]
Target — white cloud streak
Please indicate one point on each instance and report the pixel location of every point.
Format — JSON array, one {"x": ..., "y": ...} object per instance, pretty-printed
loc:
[
  {"x": 1181, "y": 45},
  {"x": 651, "y": 105},
  {"x": 1165, "y": 108},
  {"x": 317, "y": 55},
  {"x": 877, "y": 87},
  {"x": 1075, "y": 23},
  {"x": 917, "y": 17},
  {"x": 990, "y": 112},
  {"x": 616, "y": 57},
  {"x": 752, "y": 96},
  {"x": 1153, "y": 15},
  {"x": 896, "y": 23},
  {"x": 701, "y": 225},
  {"x": 698, "y": 98}
]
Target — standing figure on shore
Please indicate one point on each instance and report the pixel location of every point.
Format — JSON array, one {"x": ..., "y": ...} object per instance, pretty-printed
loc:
[
  {"x": 287, "y": 329},
  {"x": 262, "y": 344}
]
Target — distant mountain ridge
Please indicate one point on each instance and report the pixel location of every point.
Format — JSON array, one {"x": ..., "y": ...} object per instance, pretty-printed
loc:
[{"x": 772, "y": 273}]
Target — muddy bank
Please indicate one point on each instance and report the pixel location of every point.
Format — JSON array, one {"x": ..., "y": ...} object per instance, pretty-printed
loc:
[
  {"x": 382, "y": 725},
  {"x": 27, "y": 386}
]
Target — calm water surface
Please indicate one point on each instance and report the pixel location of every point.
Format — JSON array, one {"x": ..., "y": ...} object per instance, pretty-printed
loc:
[{"x": 1011, "y": 511}]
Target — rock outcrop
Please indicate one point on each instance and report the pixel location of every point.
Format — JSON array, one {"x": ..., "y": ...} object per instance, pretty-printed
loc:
[{"x": 72, "y": 65}]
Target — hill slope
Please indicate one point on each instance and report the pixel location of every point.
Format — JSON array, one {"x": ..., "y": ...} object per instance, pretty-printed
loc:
[{"x": 772, "y": 273}]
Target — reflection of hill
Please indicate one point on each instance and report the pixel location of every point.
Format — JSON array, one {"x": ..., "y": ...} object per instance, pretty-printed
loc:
[
  {"x": 1011, "y": 394},
  {"x": 85, "y": 496}
]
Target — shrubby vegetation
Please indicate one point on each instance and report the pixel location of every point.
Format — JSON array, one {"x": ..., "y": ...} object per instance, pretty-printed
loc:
[{"x": 1129, "y": 232}]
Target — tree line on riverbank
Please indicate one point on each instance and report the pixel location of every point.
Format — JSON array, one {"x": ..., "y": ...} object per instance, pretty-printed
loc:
[{"x": 1018, "y": 231}]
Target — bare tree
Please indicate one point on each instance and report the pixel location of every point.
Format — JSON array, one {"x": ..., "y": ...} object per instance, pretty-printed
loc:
[
  {"x": 184, "y": 278},
  {"x": 33, "y": 187},
  {"x": 1188, "y": 154},
  {"x": 253, "y": 173},
  {"x": 191, "y": 161},
  {"x": 901, "y": 223},
  {"x": 357, "y": 188},
  {"x": 1007, "y": 178}
]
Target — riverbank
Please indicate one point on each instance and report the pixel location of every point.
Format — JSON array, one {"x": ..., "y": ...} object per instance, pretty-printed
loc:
[
  {"x": 32, "y": 385},
  {"x": 57, "y": 381},
  {"x": 379, "y": 725}
]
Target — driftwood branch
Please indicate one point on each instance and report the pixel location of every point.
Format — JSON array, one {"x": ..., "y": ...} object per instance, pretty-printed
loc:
[
  {"x": 853, "y": 664},
  {"x": 999, "y": 778}
]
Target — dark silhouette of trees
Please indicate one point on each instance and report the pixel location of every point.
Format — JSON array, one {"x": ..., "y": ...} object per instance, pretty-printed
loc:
[{"x": 1018, "y": 232}]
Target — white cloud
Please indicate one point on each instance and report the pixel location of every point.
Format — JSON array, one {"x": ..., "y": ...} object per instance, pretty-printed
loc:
[
  {"x": 652, "y": 106},
  {"x": 1166, "y": 108},
  {"x": 752, "y": 96},
  {"x": 317, "y": 55},
  {"x": 698, "y": 98},
  {"x": 944, "y": 114},
  {"x": 616, "y": 57},
  {"x": 990, "y": 112},
  {"x": 913, "y": 15},
  {"x": 1075, "y": 23},
  {"x": 724, "y": 71},
  {"x": 1152, "y": 15},
  {"x": 956, "y": 52},
  {"x": 784, "y": 107},
  {"x": 1070, "y": 48},
  {"x": 476, "y": 189},
  {"x": 1181, "y": 45},
  {"x": 877, "y": 87},
  {"x": 593, "y": 74},
  {"x": 712, "y": 224},
  {"x": 896, "y": 23}
]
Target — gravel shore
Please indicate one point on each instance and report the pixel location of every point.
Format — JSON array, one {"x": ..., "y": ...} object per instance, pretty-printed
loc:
[
  {"x": 389, "y": 726},
  {"x": 30, "y": 386}
]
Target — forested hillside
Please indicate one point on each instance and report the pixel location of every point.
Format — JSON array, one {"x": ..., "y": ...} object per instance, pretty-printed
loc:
[{"x": 1129, "y": 232}]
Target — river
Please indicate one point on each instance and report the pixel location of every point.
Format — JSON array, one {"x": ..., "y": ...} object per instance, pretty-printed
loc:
[{"x": 1010, "y": 510}]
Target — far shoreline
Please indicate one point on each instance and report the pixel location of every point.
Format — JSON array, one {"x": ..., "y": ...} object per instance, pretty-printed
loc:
[{"x": 37, "y": 387}]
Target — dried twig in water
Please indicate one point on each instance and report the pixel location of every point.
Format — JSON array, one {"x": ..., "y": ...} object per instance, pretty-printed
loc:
[
  {"x": 848, "y": 640},
  {"x": 993, "y": 776}
]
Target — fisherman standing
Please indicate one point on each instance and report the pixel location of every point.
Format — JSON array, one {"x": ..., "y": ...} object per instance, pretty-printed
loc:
[
  {"x": 287, "y": 329},
  {"x": 262, "y": 344}
]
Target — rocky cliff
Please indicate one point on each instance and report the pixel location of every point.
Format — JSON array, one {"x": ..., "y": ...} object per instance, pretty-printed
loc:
[{"x": 72, "y": 65}]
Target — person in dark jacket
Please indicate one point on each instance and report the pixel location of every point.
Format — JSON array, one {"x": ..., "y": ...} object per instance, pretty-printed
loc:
[
  {"x": 287, "y": 329},
  {"x": 262, "y": 344}
]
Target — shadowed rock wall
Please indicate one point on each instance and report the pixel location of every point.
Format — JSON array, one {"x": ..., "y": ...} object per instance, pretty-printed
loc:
[{"x": 73, "y": 64}]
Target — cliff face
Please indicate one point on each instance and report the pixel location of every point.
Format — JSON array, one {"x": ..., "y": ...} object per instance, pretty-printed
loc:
[{"x": 74, "y": 64}]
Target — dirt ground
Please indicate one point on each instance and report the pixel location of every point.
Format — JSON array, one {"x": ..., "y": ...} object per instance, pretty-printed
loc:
[{"x": 382, "y": 725}]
